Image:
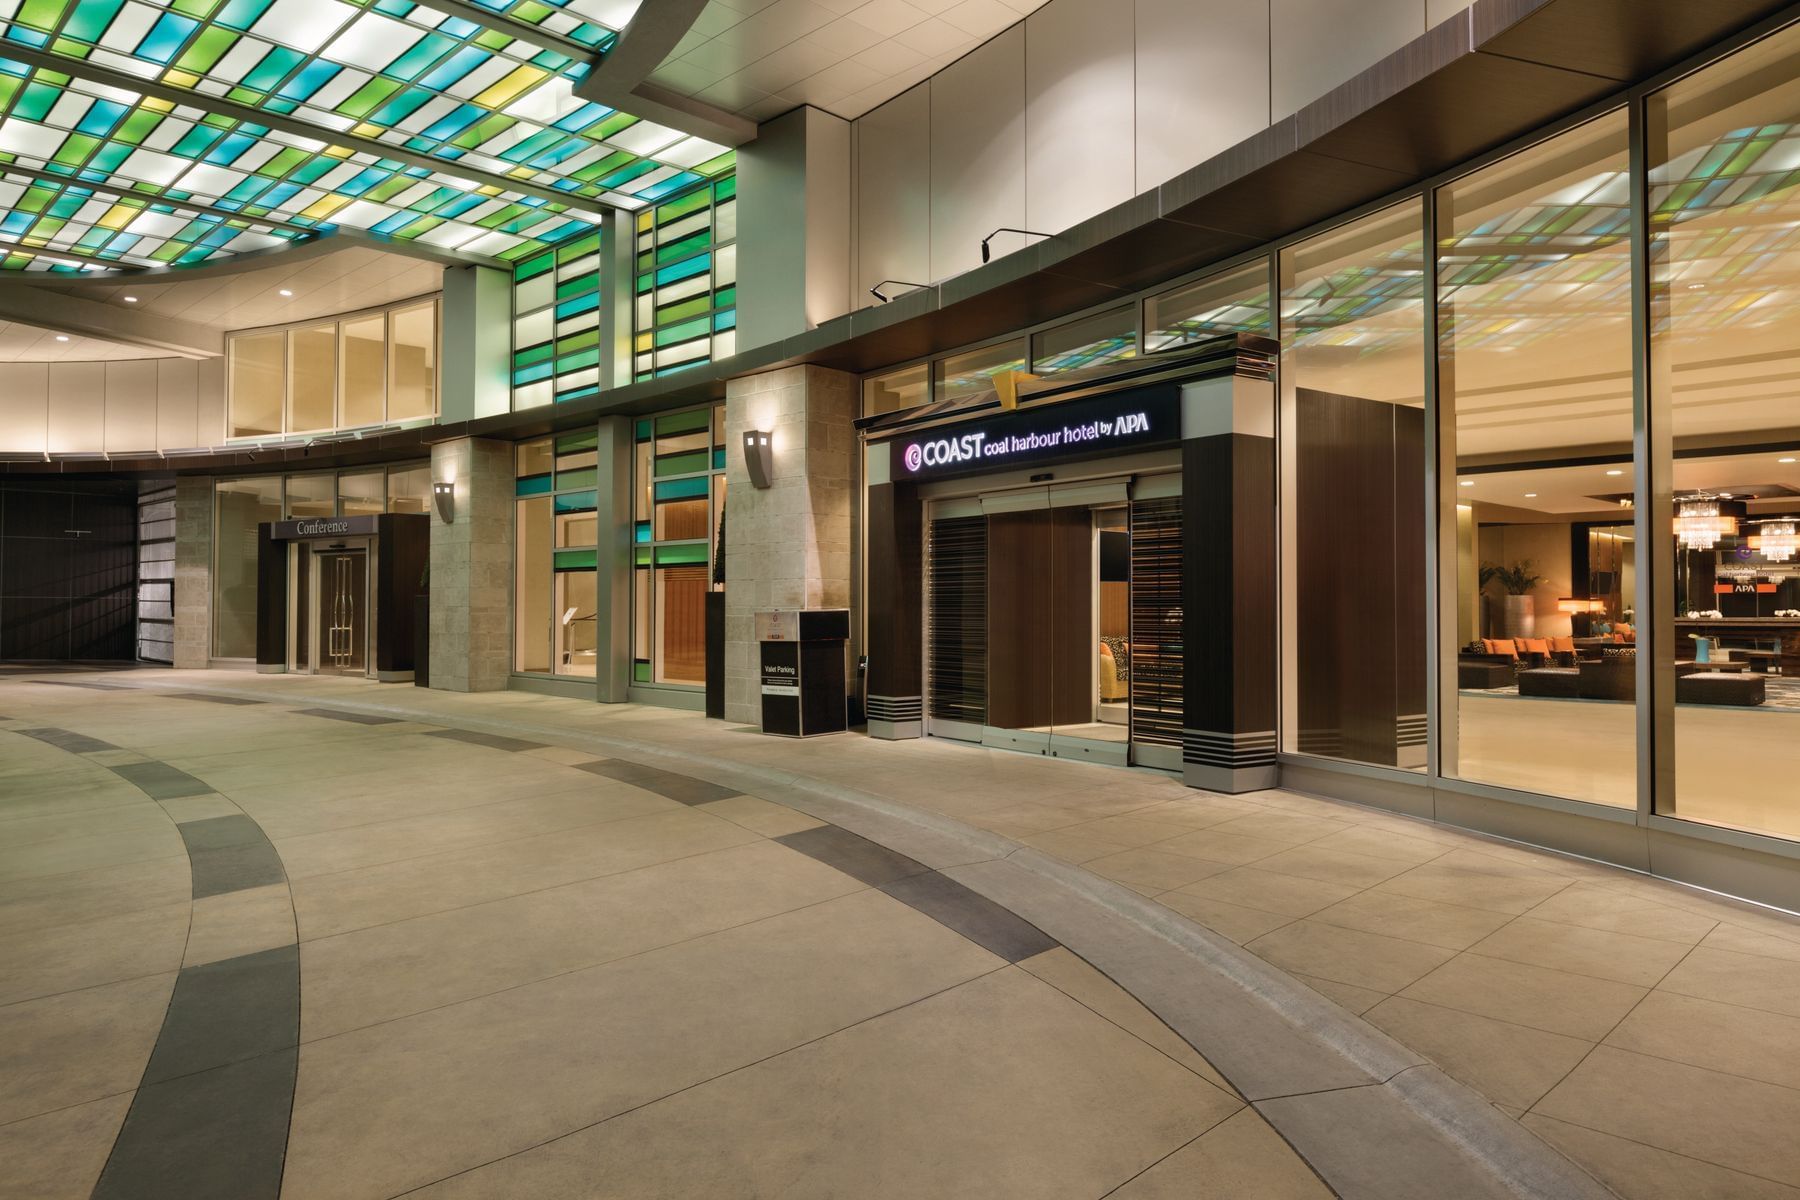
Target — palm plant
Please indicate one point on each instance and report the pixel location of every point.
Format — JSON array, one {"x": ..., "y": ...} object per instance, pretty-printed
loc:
[{"x": 1516, "y": 580}]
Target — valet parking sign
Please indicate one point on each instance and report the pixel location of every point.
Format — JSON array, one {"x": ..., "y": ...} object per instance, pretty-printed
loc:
[{"x": 1076, "y": 429}]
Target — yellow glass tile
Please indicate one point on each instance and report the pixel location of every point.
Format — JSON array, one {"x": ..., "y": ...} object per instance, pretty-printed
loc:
[
  {"x": 490, "y": 189},
  {"x": 508, "y": 88},
  {"x": 367, "y": 130},
  {"x": 319, "y": 209},
  {"x": 156, "y": 104},
  {"x": 180, "y": 79},
  {"x": 644, "y": 219},
  {"x": 118, "y": 216},
  {"x": 338, "y": 151}
]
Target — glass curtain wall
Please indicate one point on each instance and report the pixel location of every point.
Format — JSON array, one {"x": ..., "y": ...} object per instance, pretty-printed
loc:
[
  {"x": 1089, "y": 341},
  {"x": 556, "y": 578},
  {"x": 685, "y": 312},
  {"x": 367, "y": 369},
  {"x": 1234, "y": 301},
  {"x": 1535, "y": 396},
  {"x": 1724, "y": 257},
  {"x": 1352, "y": 450},
  {"x": 556, "y": 324},
  {"x": 679, "y": 512}
]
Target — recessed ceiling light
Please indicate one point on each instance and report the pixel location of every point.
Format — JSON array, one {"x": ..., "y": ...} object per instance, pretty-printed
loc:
[
  {"x": 129, "y": 299},
  {"x": 285, "y": 292},
  {"x": 1694, "y": 287},
  {"x": 62, "y": 337},
  {"x": 1468, "y": 483},
  {"x": 1531, "y": 495},
  {"x": 1615, "y": 472},
  {"x": 1785, "y": 460}
]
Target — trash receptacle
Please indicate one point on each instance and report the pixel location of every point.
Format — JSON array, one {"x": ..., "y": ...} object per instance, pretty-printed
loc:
[{"x": 802, "y": 670}]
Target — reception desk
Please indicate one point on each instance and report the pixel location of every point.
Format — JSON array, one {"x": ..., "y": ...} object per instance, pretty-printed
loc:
[{"x": 1772, "y": 630}]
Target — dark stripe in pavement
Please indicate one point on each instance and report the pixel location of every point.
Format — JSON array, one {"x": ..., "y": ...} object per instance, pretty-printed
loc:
[
  {"x": 492, "y": 740},
  {"x": 338, "y": 714},
  {"x": 224, "y": 1012},
  {"x": 682, "y": 788},
  {"x": 215, "y": 1135},
  {"x": 229, "y": 854},
  {"x": 855, "y": 856},
  {"x": 971, "y": 914},
  {"x": 64, "y": 739},
  {"x": 160, "y": 781},
  {"x": 213, "y": 699},
  {"x": 98, "y": 687}
]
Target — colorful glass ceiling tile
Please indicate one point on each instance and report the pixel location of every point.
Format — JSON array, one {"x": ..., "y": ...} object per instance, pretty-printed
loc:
[{"x": 343, "y": 86}]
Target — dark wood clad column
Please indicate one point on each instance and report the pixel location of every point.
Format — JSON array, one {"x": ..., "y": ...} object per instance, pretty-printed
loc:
[
  {"x": 403, "y": 542},
  {"x": 896, "y": 577},
  {"x": 271, "y": 601},
  {"x": 1229, "y": 579}
]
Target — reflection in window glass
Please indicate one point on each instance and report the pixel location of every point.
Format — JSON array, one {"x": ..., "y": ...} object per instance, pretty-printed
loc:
[
  {"x": 908, "y": 387},
  {"x": 1089, "y": 342},
  {"x": 409, "y": 489},
  {"x": 1725, "y": 220},
  {"x": 1353, "y": 491},
  {"x": 412, "y": 362},
  {"x": 311, "y": 496},
  {"x": 362, "y": 378},
  {"x": 963, "y": 375},
  {"x": 256, "y": 369},
  {"x": 1236, "y": 301},
  {"x": 361, "y": 494},
  {"x": 681, "y": 462},
  {"x": 531, "y": 584},
  {"x": 312, "y": 373},
  {"x": 239, "y": 506},
  {"x": 1534, "y": 344}
]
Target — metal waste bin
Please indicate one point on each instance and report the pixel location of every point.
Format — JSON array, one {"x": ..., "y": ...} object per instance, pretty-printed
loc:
[{"x": 802, "y": 670}]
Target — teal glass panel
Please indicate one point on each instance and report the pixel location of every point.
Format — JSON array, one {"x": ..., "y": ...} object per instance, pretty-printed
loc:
[
  {"x": 576, "y": 502},
  {"x": 684, "y": 489},
  {"x": 533, "y": 485}
]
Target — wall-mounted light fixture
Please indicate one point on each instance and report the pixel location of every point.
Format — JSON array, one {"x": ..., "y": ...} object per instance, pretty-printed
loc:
[
  {"x": 759, "y": 457},
  {"x": 443, "y": 498},
  {"x": 987, "y": 253},
  {"x": 879, "y": 295}
]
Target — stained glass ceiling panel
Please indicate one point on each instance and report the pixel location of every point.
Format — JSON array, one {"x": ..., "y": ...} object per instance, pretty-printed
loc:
[{"x": 495, "y": 110}]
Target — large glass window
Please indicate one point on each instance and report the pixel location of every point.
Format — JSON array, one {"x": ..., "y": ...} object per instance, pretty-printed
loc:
[
  {"x": 367, "y": 369},
  {"x": 679, "y": 507},
  {"x": 555, "y": 605},
  {"x": 1534, "y": 354},
  {"x": 971, "y": 373},
  {"x": 239, "y": 506},
  {"x": 685, "y": 311},
  {"x": 908, "y": 387},
  {"x": 1725, "y": 225},
  {"x": 1235, "y": 301},
  {"x": 556, "y": 324},
  {"x": 1086, "y": 342},
  {"x": 1353, "y": 491},
  {"x": 409, "y": 489}
]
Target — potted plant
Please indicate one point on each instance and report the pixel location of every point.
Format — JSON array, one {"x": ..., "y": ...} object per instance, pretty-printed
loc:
[{"x": 1516, "y": 581}]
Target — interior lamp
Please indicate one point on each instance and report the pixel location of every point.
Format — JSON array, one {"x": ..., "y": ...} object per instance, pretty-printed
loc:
[
  {"x": 1579, "y": 604},
  {"x": 1701, "y": 522},
  {"x": 443, "y": 498},
  {"x": 759, "y": 457},
  {"x": 1776, "y": 540}
]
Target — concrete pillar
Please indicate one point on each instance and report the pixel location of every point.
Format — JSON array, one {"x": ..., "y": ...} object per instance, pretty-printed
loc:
[
  {"x": 471, "y": 567},
  {"x": 193, "y": 571},
  {"x": 787, "y": 546},
  {"x": 793, "y": 226},
  {"x": 477, "y": 343}
]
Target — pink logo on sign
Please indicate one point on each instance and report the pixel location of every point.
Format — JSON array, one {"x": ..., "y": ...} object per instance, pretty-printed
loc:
[{"x": 914, "y": 457}]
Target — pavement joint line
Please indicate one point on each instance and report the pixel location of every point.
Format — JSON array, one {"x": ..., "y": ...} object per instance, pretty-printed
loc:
[{"x": 1497, "y": 1148}]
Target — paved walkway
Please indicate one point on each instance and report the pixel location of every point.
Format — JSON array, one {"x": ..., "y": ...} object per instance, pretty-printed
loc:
[{"x": 264, "y": 935}]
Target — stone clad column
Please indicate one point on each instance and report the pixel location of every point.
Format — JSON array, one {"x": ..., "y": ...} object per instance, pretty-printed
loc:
[
  {"x": 193, "y": 571},
  {"x": 471, "y": 567},
  {"x": 787, "y": 546}
]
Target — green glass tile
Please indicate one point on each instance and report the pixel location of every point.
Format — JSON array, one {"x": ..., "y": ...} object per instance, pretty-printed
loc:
[
  {"x": 683, "y": 489},
  {"x": 683, "y": 554},
  {"x": 571, "y": 502},
  {"x": 578, "y": 342},
  {"x": 611, "y": 125},
  {"x": 673, "y": 210},
  {"x": 641, "y": 431},
  {"x": 640, "y": 671},
  {"x": 697, "y": 306},
  {"x": 575, "y": 443},
  {"x": 75, "y": 149},
  {"x": 584, "y": 478},
  {"x": 207, "y": 48},
  {"x": 88, "y": 21},
  {"x": 575, "y": 560},
  {"x": 692, "y": 420},
  {"x": 683, "y": 464},
  {"x": 686, "y": 331},
  {"x": 370, "y": 94},
  {"x": 42, "y": 14},
  {"x": 532, "y": 485},
  {"x": 577, "y": 362}
]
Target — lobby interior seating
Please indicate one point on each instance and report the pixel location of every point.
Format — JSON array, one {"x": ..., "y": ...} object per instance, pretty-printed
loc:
[{"x": 1745, "y": 688}]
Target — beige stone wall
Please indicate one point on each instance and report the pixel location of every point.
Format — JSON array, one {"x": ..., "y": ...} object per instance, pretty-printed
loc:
[
  {"x": 787, "y": 546},
  {"x": 471, "y": 568},
  {"x": 193, "y": 571}
]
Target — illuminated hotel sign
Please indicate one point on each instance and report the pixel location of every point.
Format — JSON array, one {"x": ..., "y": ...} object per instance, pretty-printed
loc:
[{"x": 1091, "y": 428}]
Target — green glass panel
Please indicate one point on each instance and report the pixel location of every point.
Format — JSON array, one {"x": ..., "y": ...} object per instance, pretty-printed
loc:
[
  {"x": 575, "y": 560},
  {"x": 683, "y": 464},
  {"x": 642, "y": 557},
  {"x": 640, "y": 671},
  {"x": 684, "y": 489},
  {"x": 641, "y": 431},
  {"x": 584, "y": 478},
  {"x": 577, "y": 502},
  {"x": 684, "y": 555},
  {"x": 574, "y": 443},
  {"x": 531, "y": 268},
  {"x": 683, "y": 332},
  {"x": 577, "y": 362},
  {"x": 692, "y": 421}
]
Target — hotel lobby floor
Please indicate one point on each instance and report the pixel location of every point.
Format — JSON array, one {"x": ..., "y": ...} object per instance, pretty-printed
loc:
[{"x": 317, "y": 937}]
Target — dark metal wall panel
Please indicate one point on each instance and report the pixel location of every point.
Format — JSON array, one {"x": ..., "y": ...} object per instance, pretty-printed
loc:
[{"x": 68, "y": 571}]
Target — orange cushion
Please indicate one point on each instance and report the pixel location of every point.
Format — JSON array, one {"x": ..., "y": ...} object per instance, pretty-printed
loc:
[
  {"x": 1627, "y": 630},
  {"x": 1562, "y": 645},
  {"x": 1537, "y": 645},
  {"x": 1500, "y": 646},
  {"x": 1619, "y": 638},
  {"x": 1520, "y": 646}
]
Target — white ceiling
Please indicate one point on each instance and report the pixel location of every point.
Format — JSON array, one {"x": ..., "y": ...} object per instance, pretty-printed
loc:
[
  {"x": 760, "y": 58},
  {"x": 342, "y": 281}
]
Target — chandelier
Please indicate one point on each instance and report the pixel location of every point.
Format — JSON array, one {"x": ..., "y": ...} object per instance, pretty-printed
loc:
[
  {"x": 1699, "y": 524},
  {"x": 1776, "y": 541}
]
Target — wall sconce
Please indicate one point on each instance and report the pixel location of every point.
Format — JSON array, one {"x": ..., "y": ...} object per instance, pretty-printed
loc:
[
  {"x": 987, "y": 253},
  {"x": 443, "y": 498},
  {"x": 759, "y": 457},
  {"x": 883, "y": 297}
]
